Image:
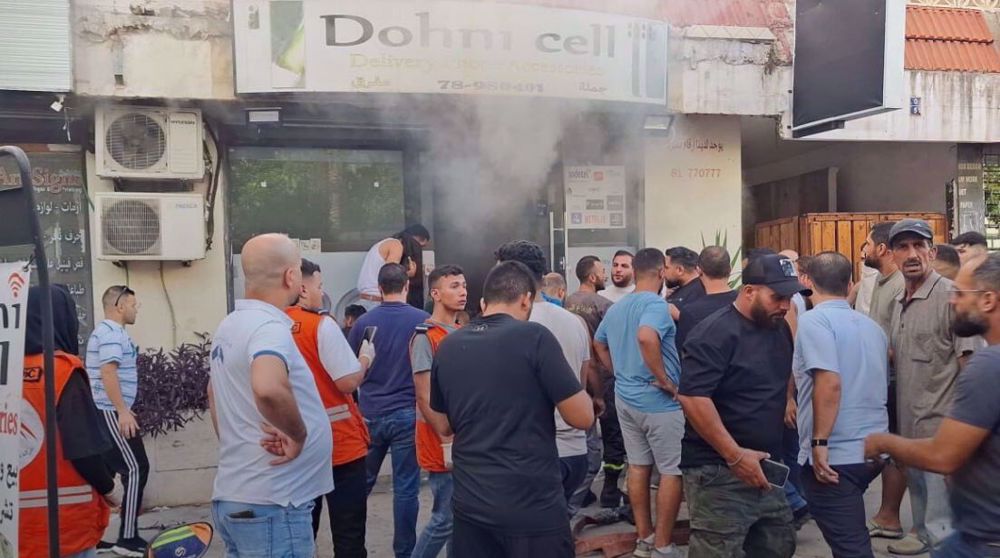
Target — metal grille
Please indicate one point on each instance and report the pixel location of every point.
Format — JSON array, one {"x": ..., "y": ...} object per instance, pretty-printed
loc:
[
  {"x": 136, "y": 141},
  {"x": 131, "y": 227}
]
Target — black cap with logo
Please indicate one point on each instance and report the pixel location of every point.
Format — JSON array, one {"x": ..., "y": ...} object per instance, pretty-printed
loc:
[
  {"x": 918, "y": 227},
  {"x": 776, "y": 272}
]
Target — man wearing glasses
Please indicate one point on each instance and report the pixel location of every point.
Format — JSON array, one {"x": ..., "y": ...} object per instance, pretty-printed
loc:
[
  {"x": 928, "y": 356},
  {"x": 114, "y": 379}
]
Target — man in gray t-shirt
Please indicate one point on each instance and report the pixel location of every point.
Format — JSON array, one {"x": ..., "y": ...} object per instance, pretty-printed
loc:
[{"x": 967, "y": 444}]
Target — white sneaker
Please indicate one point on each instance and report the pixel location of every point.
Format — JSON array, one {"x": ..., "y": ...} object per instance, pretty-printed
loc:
[{"x": 644, "y": 548}]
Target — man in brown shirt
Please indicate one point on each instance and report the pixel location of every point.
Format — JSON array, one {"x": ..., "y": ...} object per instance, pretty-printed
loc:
[
  {"x": 927, "y": 357},
  {"x": 888, "y": 286}
]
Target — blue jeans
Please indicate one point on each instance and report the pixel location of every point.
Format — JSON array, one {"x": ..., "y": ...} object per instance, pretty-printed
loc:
[
  {"x": 396, "y": 432},
  {"x": 264, "y": 531},
  {"x": 839, "y": 509},
  {"x": 957, "y": 546},
  {"x": 790, "y": 457},
  {"x": 437, "y": 533}
]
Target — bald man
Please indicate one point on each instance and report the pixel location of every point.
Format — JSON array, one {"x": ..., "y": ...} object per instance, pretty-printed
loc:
[{"x": 274, "y": 435}]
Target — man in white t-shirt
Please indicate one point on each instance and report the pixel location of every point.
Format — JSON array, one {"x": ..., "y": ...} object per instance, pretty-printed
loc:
[
  {"x": 400, "y": 248},
  {"x": 622, "y": 277},
  {"x": 274, "y": 434},
  {"x": 574, "y": 339}
]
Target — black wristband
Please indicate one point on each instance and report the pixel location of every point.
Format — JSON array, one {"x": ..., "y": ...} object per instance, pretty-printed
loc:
[{"x": 820, "y": 442}]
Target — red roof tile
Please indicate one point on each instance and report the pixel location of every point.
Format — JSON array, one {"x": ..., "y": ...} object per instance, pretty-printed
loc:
[
  {"x": 949, "y": 39},
  {"x": 951, "y": 24}
]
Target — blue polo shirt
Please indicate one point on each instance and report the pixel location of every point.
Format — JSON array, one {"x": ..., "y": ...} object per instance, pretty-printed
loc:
[
  {"x": 388, "y": 386},
  {"x": 619, "y": 330},
  {"x": 836, "y": 338}
]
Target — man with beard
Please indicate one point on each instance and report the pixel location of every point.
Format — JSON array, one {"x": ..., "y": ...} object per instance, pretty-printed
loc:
[
  {"x": 888, "y": 285},
  {"x": 966, "y": 446},
  {"x": 592, "y": 307},
  {"x": 621, "y": 277},
  {"x": 636, "y": 340},
  {"x": 736, "y": 371},
  {"x": 682, "y": 277},
  {"x": 928, "y": 357}
]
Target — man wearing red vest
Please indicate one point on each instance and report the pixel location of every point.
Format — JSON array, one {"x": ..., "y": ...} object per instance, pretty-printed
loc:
[
  {"x": 86, "y": 486},
  {"x": 448, "y": 290},
  {"x": 337, "y": 372}
]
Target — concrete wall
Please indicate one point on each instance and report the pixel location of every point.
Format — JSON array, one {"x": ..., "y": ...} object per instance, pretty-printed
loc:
[
  {"x": 727, "y": 70},
  {"x": 955, "y": 107},
  {"x": 182, "y": 463},
  {"x": 157, "y": 48},
  {"x": 693, "y": 183}
]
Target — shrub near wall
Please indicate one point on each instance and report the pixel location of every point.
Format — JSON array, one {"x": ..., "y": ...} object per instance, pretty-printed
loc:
[{"x": 172, "y": 387}]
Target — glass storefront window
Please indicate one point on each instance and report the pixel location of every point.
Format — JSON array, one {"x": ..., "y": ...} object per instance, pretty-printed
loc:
[{"x": 347, "y": 198}]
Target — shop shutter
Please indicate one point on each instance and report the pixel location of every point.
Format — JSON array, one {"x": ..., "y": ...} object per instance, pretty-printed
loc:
[{"x": 35, "y": 45}]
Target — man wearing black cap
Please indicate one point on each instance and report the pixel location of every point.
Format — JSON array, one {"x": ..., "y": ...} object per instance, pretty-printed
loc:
[
  {"x": 927, "y": 356},
  {"x": 734, "y": 380}
]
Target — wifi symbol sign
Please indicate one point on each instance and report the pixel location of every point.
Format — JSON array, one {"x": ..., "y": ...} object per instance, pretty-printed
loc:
[{"x": 16, "y": 283}]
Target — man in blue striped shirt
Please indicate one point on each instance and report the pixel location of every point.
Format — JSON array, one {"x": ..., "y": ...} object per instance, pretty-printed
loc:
[{"x": 114, "y": 380}]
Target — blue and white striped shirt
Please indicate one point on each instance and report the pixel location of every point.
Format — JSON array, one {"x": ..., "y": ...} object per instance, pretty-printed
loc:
[{"x": 111, "y": 343}]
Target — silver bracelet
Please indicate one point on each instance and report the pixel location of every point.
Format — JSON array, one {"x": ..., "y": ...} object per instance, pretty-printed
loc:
[{"x": 738, "y": 459}]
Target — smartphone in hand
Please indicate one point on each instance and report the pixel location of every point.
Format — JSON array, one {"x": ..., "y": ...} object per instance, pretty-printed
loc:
[
  {"x": 370, "y": 334},
  {"x": 776, "y": 473}
]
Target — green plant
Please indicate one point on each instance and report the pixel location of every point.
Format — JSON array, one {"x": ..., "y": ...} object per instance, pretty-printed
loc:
[
  {"x": 722, "y": 239},
  {"x": 172, "y": 386}
]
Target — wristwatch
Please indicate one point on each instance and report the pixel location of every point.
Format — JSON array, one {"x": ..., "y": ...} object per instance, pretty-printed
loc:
[{"x": 820, "y": 442}]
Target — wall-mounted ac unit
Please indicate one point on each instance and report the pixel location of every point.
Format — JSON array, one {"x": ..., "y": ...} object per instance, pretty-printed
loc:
[
  {"x": 147, "y": 142},
  {"x": 150, "y": 227}
]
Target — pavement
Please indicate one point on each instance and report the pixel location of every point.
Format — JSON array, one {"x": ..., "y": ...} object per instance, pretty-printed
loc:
[{"x": 379, "y": 540}]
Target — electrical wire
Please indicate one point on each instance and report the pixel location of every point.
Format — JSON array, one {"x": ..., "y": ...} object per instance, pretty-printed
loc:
[{"x": 170, "y": 305}]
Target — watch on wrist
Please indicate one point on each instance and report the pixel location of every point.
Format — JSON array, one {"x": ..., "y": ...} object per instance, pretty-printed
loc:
[{"x": 820, "y": 442}]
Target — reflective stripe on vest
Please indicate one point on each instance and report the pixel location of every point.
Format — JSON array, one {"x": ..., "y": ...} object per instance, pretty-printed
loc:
[
  {"x": 339, "y": 412},
  {"x": 67, "y": 495}
]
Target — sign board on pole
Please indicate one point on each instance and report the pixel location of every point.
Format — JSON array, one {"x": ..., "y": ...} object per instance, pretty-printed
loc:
[
  {"x": 13, "y": 306},
  {"x": 446, "y": 46},
  {"x": 595, "y": 197}
]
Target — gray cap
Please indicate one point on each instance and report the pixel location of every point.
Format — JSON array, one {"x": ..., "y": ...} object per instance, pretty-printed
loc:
[{"x": 918, "y": 227}]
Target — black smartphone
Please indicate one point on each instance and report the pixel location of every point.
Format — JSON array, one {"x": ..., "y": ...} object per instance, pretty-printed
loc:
[
  {"x": 370, "y": 334},
  {"x": 776, "y": 473},
  {"x": 248, "y": 514}
]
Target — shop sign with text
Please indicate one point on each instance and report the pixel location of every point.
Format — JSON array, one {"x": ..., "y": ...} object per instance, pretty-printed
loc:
[{"x": 452, "y": 47}]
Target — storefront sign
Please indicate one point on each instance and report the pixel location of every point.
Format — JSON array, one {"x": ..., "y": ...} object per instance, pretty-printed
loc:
[
  {"x": 467, "y": 48},
  {"x": 595, "y": 197},
  {"x": 13, "y": 305},
  {"x": 62, "y": 208},
  {"x": 970, "y": 199}
]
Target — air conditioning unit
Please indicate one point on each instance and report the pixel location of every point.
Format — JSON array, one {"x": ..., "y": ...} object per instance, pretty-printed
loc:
[
  {"x": 149, "y": 143},
  {"x": 150, "y": 226}
]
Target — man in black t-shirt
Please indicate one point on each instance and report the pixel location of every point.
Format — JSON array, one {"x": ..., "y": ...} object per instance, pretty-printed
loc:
[
  {"x": 716, "y": 268},
  {"x": 496, "y": 384},
  {"x": 682, "y": 277},
  {"x": 734, "y": 377}
]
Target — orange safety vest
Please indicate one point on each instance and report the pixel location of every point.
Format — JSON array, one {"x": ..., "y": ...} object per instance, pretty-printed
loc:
[
  {"x": 350, "y": 435},
  {"x": 430, "y": 455},
  {"x": 83, "y": 514}
]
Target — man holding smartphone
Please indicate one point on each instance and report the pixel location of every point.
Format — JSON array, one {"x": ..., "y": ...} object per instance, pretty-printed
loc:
[
  {"x": 734, "y": 380},
  {"x": 841, "y": 372},
  {"x": 388, "y": 401}
]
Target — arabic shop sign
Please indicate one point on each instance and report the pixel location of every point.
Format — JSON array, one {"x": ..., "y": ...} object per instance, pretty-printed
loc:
[{"x": 452, "y": 47}]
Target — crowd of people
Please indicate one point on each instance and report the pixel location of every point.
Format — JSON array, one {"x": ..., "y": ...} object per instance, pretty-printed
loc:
[{"x": 763, "y": 399}]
